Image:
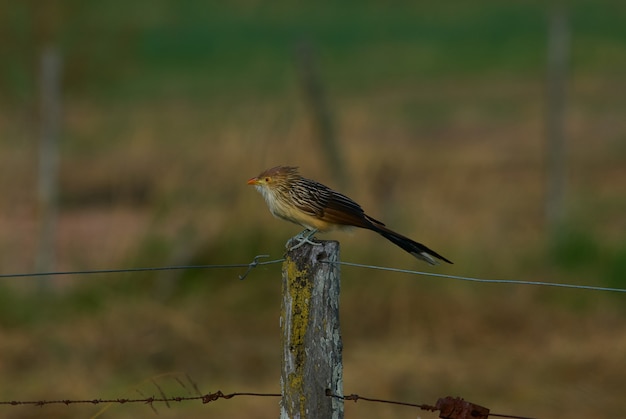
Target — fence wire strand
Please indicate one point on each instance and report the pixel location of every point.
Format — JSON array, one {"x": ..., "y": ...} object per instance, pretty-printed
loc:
[
  {"x": 205, "y": 398},
  {"x": 212, "y": 397},
  {"x": 483, "y": 280},
  {"x": 355, "y": 398},
  {"x": 255, "y": 263}
]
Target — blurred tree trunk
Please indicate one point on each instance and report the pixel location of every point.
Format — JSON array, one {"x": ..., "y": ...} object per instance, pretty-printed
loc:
[
  {"x": 558, "y": 60},
  {"x": 321, "y": 115},
  {"x": 50, "y": 91},
  {"x": 46, "y": 24}
]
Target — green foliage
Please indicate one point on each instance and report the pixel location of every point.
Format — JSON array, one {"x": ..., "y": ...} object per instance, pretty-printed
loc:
[
  {"x": 616, "y": 268},
  {"x": 19, "y": 309},
  {"x": 226, "y": 48},
  {"x": 579, "y": 250},
  {"x": 575, "y": 248}
]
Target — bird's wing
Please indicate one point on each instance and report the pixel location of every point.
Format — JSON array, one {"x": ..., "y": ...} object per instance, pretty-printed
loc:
[{"x": 320, "y": 201}]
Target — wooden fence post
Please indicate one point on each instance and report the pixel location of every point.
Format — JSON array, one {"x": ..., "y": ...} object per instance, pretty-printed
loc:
[{"x": 311, "y": 338}]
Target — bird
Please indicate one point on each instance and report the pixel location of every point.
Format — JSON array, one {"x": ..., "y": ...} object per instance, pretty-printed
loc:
[{"x": 318, "y": 208}]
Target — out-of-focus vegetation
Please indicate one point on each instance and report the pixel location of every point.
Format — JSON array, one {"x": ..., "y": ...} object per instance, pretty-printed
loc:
[{"x": 169, "y": 107}]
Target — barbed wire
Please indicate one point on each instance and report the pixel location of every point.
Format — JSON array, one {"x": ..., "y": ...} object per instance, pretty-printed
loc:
[
  {"x": 442, "y": 404},
  {"x": 255, "y": 262},
  {"x": 205, "y": 398}
]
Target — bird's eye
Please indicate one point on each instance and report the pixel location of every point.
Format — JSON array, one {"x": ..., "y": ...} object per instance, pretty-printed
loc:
[{"x": 267, "y": 178}]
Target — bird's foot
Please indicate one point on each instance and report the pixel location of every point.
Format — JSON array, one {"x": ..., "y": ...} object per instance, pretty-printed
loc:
[{"x": 303, "y": 237}]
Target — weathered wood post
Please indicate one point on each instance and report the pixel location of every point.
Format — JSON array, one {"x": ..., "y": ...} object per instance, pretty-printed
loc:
[{"x": 311, "y": 338}]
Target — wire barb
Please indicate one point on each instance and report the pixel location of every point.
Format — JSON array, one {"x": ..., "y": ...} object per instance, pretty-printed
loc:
[
  {"x": 252, "y": 265},
  {"x": 355, "y": 398}
]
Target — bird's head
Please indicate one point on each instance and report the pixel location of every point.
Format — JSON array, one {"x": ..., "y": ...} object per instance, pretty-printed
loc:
[
  {"x": 274, "y": 185},
  {"x": 276, "y": 177}
]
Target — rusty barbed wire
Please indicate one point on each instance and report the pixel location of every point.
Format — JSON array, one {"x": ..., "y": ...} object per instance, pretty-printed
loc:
[
  {"x": 205, "y": 398},
  {"x": 449, "y": 407},
  {"x": 356, "y": 397}
]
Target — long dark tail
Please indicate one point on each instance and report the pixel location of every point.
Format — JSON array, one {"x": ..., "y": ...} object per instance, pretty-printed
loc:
[{"x": 416, "y": 249}]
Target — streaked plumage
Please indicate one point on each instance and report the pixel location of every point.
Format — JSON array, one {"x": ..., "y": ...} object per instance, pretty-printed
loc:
[{"x": 316, "y": 207}]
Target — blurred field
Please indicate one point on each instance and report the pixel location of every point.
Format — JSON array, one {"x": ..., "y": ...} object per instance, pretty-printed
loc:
[{"x": 170, "y": 107}]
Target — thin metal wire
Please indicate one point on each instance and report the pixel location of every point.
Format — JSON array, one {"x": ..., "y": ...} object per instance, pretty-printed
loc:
[
  {"x": 255, "y": 262},
  {"x": 250, "y": 265},
  {"x": 482, "y": 280}
]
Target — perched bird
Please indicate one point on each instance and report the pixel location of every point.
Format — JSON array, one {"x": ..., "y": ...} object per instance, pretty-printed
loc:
[{"x": 316, "y": 207}]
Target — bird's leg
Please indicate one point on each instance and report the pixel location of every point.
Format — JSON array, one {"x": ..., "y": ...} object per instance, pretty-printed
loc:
[{"x": 304, "y": 237}]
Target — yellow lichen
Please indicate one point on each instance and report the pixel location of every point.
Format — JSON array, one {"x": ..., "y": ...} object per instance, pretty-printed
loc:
[
  {"x": 299, "y": 289},
  {"x": 300, "y": 293}
]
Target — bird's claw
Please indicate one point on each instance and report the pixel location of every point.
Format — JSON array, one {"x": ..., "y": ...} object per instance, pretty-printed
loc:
[{"x": 302, "y": 238}]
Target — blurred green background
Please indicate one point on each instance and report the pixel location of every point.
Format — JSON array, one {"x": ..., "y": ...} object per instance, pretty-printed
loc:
[{"x": 439, "y": 112}]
